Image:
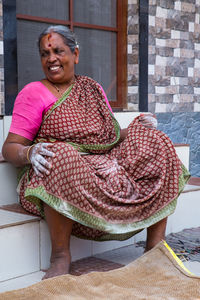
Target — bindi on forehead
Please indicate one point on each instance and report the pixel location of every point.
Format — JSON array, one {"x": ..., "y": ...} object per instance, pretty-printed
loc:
[{"x": 49, "y": 37}]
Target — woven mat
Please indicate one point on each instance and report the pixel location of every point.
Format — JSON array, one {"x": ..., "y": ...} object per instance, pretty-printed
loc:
[{"x": 158, "y": 274}]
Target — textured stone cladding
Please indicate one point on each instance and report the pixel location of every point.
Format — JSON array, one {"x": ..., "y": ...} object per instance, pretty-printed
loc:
[
  {"x": 133, "y": 46},
  {"x": 184, "y": 127},
  {"x": 174, "y": 56},
  {"x": 1, "y": 62}
]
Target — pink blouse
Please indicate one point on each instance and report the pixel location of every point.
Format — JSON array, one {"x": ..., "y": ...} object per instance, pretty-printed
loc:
[{"x": 30, "y": 106}]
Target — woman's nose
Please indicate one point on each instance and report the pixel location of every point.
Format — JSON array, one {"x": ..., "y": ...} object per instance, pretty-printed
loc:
[{"x": 52, "y": 57}]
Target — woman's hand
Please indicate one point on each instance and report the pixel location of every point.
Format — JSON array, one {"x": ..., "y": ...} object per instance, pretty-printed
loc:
[
  {"x": 40, "y": 164},
  {"x": 148, "y": 120}
]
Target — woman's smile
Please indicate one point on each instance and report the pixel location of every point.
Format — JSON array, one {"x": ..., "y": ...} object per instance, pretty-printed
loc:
[{"x": 55, "y": 69}]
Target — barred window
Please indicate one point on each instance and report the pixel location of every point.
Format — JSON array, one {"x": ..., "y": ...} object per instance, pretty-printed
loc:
[{"x": 100, "y": 27}]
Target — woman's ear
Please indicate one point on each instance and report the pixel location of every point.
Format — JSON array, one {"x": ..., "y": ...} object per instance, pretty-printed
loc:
[{"x": 76, "y": 56}]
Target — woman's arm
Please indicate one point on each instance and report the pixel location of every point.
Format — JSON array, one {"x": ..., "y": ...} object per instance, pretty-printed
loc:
[
  {"x": 123, "y": 134},
  {"x": 18, "y": 151},
  {"x": 15, "y": 149}
]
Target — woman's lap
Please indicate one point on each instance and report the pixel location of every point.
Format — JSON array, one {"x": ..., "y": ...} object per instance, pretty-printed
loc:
[{"x": 110, "y": 192}]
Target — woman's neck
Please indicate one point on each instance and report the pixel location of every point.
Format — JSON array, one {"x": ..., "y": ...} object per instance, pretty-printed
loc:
[{"x": 58, "y": 89}]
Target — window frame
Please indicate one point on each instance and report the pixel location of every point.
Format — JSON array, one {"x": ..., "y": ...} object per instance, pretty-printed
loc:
[{"x": 121, "y": 31}]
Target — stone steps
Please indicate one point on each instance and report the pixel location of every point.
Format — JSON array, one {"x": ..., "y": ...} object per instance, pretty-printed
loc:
[
  {"x": 25, "y": 245},
  {"x": 19, "y": 240}
]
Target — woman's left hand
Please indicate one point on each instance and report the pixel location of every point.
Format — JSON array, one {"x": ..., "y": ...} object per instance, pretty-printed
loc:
[{"x": 148, "y": 120}]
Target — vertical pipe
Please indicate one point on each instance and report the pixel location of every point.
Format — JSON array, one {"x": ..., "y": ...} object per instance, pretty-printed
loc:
[
  {"x": 10, "y": 54},
  {"x": 143, "y": 54}
]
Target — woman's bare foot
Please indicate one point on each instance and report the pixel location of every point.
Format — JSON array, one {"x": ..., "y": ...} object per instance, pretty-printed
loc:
[{"x": 59, "y": 266}]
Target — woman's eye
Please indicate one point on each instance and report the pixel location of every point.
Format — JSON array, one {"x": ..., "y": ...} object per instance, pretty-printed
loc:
[
  {"x": 59, "y": 51},
  {"x": 43, "y": 54}
]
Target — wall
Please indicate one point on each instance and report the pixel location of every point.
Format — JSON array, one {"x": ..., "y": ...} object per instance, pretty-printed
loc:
[
  {"x": 133, "y": 44},
  {"x": 184, "y": 127},
  {"x": 174, "y": 56},
  {"x": 174, "y": 72},
  {"x": 1, "y": 62}
]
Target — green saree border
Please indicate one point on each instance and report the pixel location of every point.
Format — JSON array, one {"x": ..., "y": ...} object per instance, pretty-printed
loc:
[
  {"x": 88, "y": 147},
  {"x": 84, "y": 147},
  {"x": 58, "y": 102},
  {"x": 113, "y": 231}
]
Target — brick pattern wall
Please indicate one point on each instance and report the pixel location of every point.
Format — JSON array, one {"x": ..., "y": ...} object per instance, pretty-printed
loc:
[
  {"x": 133, "y": 45},
  {"x": 174, "y": 56},
  {"x": 1, "y": 62}
]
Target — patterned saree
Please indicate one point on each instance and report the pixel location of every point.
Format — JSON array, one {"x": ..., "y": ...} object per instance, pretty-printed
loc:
[{"x": 112, "y": 190}]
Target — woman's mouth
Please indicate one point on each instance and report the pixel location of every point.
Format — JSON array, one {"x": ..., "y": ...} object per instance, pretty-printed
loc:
[{"x": 54, "y": 68}]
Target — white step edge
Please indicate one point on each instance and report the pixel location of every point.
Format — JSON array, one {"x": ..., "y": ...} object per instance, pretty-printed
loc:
[
  {"x": 8, "y": 184},
  {"x": 6, "y": 126},
  {"x": 183, "y": 152},
  {"x": 1, "y": 134},
  {"x": 21, "y": 282},
  {"x": 9, "y": 218}
]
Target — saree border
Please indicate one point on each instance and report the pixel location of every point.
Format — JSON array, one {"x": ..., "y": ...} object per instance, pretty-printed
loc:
[
  {"x": 83, "y": 147},
  {"x": 112, "y": 231}
]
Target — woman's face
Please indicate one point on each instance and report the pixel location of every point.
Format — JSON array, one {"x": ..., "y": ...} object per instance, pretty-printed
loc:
[{"x": 57, "y": 59}]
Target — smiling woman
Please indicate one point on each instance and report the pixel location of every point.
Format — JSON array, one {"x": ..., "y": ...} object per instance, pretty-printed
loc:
[{"x": 79, "y": 170}]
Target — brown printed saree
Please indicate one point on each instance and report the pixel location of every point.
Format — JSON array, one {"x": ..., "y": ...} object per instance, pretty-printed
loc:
[{"x": 111, "y": 190}]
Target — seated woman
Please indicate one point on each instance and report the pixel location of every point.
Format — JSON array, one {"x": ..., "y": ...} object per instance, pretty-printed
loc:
[{"x": 84, "y": 174}]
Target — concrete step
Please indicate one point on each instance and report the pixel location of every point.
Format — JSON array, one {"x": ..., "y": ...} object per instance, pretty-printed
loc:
[
  {"x": 19, "y": 240},
  {"x": 187, "y": 211},
  {"x": 26, "y": 248},
  {"x": 186, "y": 214}
]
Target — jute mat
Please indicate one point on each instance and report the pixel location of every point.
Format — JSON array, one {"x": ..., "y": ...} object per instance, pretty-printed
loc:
[{"x": 158, "y": 274}]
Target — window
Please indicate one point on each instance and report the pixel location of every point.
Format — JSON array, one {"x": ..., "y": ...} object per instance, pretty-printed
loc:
[{"x": 100, "y": 27}]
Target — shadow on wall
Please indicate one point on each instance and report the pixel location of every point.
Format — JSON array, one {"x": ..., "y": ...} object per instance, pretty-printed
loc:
[{"x": 184, "y": 128}]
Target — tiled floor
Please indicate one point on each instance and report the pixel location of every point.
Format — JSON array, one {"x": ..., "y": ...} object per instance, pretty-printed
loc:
[
  {"x": 107, "y": 261},
  {"x": 117, "y": 258},
  {"x": 91, "y": 264},
  {"x": 122, "y": 256}
]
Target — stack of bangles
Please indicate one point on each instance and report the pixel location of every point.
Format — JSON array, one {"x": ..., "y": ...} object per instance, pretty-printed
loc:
[{"x": 27, "y": 153}]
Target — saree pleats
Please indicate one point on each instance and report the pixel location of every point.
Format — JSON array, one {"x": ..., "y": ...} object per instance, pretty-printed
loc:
[{"x": 112, "y": 190}]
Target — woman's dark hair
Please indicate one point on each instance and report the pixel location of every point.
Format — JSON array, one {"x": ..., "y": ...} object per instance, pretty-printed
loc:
[{"x": 67, "y": 35}]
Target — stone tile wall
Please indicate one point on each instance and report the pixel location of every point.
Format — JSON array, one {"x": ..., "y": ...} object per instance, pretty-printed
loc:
[
  {"x": 133, "y": 46},
  {"x": 174, "y": 56},
  {"x": 184, "y": 127},
  {"x": 1, "y": 62}
]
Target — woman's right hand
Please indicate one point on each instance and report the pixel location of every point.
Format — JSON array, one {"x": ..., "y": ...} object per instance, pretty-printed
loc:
[
  {"x": 148, "y": 120},
  {"x": 39, "y": 163}
]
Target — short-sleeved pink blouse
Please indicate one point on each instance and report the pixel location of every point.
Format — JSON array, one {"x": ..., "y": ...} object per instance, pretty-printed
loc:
[{"x": 30, "y": 106}]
